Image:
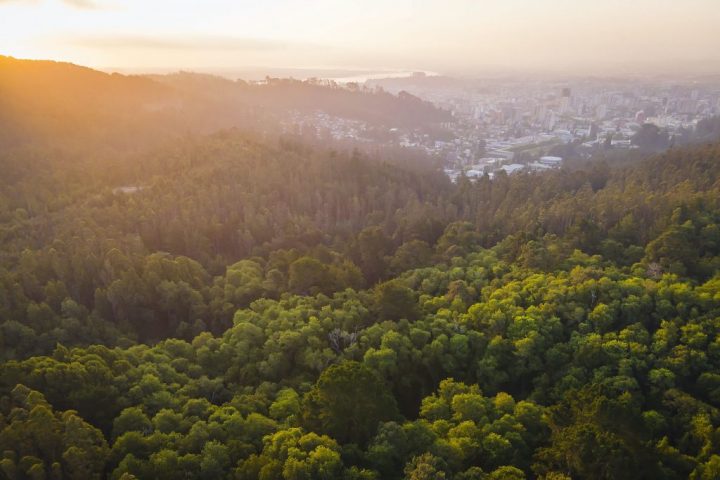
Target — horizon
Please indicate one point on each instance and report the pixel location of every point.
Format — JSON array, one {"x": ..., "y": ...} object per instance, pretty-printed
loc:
[
  {"x": 467, "y": 38},
  {"x": 360, "y": 75}
]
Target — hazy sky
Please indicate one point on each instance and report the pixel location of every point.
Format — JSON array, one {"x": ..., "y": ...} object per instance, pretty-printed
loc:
[{"x": 581, "y": 36}]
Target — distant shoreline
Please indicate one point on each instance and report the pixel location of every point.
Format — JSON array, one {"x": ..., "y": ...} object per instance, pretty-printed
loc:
[
  {"x": 259, "y": 73},
  {"x": 379, "y": 76}
]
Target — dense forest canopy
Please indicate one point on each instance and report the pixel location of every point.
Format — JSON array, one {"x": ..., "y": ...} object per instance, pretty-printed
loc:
[{"x": 239, "y": 306}]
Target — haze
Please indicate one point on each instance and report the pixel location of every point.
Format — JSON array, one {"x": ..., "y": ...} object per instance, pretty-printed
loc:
[{"x": 456, "y": 36}]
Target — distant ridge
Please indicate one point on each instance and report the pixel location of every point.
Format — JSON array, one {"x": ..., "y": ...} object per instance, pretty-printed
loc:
[{"x": 62, "y": 103}]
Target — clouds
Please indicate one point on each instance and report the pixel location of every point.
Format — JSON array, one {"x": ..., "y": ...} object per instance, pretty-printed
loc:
[
  {"x": 84, "y": 4},
  {"x": 175, "y": 42},
  {"x": 81, "y": 4},
  {"x": 195, "y": 50},
  {"x": 440, "y": 35}
]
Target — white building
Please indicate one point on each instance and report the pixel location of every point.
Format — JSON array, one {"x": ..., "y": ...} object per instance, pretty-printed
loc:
[
  {"x": 539, "y": 167},
  {"x": 512, "y": 168},
  {"x": 551, "y": 161}
]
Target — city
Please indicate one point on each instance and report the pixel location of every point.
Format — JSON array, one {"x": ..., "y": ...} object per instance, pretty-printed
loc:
[{"x": 516, "y": 125}]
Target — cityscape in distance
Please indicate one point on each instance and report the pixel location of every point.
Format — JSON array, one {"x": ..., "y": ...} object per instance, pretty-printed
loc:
[{"x": 512, "y": 124}]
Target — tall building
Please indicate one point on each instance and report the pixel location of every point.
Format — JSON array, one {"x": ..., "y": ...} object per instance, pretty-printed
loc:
[
  {"x": 565, "y": 100},
  {"x": 564, "y": 105},
  {"x": 601, "y": 111}
]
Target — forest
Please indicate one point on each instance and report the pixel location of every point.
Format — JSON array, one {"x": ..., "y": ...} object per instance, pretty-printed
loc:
[{"x": 235, "y": 306}]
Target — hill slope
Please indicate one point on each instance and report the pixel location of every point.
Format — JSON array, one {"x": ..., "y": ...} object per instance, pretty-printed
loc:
[
  {"x": 60, "y": 104},
  {"x": 528, "y": 359}
]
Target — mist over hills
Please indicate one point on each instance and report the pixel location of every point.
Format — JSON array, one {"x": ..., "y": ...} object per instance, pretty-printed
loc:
[{"x": 59, "y": 102}]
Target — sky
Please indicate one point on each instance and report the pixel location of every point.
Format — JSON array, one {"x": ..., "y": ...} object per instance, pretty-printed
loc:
[{"x": 446, "y": 36}]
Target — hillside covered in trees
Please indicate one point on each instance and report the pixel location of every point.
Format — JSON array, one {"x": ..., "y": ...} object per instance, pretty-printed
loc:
[
  {"x": 44, "y": 103},
  {"x": 236, "y": 309},
  {"x": 239, "y": 306}
]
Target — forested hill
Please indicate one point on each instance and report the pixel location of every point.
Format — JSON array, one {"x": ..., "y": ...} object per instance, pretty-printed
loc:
[
  {"x": 242, "y": 306},
  {"x": 170, "y": 243},
  {"x": 44, "y": 103},
  {"x": 277, "y": 94},
  {"x": 333, "y": 317}
]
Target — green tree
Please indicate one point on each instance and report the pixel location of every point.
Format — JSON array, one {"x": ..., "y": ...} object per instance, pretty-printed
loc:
[
  {"x": 394, "y": 301},
  {"x": 347, "y": 403}
]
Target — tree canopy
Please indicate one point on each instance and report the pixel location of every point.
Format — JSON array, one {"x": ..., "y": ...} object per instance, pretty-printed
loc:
[{"x": 234, "y": 307}]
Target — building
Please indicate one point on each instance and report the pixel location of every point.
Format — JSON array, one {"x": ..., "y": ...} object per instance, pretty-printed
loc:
[
  {"x": 512, "y": 168},
  {"x": 539, "y": 167},
  {"x": 551, "y": 161}
]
